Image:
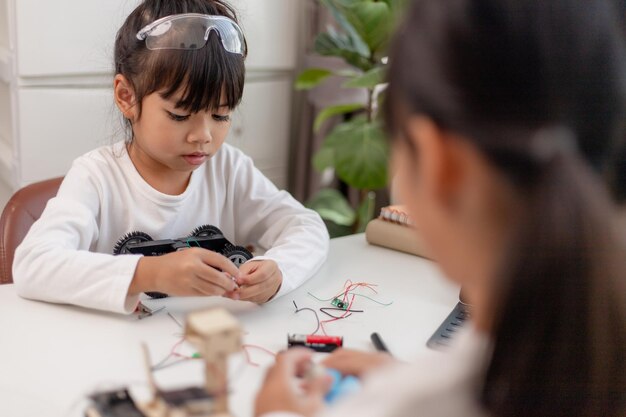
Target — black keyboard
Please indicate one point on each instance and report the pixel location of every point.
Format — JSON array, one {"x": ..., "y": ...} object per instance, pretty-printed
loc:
[{"x": 450, "y": 326}]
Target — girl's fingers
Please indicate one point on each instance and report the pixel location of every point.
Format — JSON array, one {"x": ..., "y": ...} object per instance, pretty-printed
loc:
[
  {"x": 354, "y": 362},
  {"x": 207, "y": 288},
  {"x": 250, "y": 293},
  {"x": 234, "y": 295},
  {"x": 318, "y": 386},
  {"x": 249, "y": 267},
  {"x": 251, "y": 278},
  {"x": 293, "y": 361},
  {"x": 297, "y": 362},
  {"x": 342, "y": 360},
  {"x": 218, "y": 261},
  {"x": 218, "y": 278},
  {"x": 258, "y": 275}
]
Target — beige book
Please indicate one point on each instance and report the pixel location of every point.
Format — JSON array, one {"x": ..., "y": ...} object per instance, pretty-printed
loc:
[{"x": 395, "y": 236}]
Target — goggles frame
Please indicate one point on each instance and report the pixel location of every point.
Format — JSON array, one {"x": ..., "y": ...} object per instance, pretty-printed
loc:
[{"x": 229, "y": 32}]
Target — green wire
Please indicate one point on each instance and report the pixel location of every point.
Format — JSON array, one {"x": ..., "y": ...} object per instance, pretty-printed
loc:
[
  {"x": 188, "y": 245},
  {"x": 319, "y": 299},
  {"x": 376, "y": 301}
]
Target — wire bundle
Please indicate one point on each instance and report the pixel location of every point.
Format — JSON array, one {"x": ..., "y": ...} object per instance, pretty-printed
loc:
[{"x": 346, "y": 297}]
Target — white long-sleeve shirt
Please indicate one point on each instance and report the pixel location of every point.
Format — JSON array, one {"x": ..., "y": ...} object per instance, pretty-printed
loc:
[
  {"x": 436, "y": 384},
  {"x": 66, "y": 257}
]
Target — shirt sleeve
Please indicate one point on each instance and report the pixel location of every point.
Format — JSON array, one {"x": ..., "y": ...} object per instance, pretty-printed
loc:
[
  {"x": 54, "y": 262},
  {"x": 292, "y": 235}
]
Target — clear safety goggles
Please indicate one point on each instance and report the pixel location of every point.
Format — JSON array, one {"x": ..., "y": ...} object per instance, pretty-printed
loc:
[{"x": 191, "y": 31}]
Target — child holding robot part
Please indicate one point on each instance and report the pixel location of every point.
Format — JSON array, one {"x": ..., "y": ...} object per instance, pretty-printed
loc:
[{"x": 179, "y": 74}]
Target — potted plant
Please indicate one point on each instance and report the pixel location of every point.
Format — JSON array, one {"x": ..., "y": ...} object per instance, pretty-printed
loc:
[{"x": 356, "y": 148}]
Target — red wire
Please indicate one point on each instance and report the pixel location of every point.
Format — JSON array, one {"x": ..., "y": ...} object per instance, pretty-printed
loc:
[
  {"x": 337, "y": 318},
  {"x": 349, "y": 286},
  {"x": 174, "y": 353},
  {"x": 247, "y": 354}
]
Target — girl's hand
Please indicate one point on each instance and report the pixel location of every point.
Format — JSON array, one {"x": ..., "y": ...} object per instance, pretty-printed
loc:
[
  {"x": 190, "y": 272},
  {"x": 280, "y": 392},
  {"x": 258, "y": 281},
  {"x": 357, "y": 363}
]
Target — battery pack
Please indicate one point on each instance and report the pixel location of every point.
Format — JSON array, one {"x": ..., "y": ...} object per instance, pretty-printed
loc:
[{"x": 317, "y": 343}]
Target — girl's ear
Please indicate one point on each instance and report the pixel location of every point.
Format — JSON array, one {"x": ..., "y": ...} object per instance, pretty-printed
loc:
[
  {"x": 440, "y": 168},
  {"x": 124, "y": 97},
  {"x": 431, "y": 169},
  {"x": 448, "y": 165}
]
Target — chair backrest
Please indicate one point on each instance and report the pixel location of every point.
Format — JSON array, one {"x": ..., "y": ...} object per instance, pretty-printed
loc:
[{"x": 24, "y": 207}]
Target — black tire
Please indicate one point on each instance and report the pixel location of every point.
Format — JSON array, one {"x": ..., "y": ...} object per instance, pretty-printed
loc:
[
  {"x": 121, "y": 247},
  {"x": 238, "y": 255},
  {"x": 206, "y": 230}
]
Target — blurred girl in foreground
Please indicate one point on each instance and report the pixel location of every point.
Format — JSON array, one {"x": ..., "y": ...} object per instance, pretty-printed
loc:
[{"x": 495, "y": 108}]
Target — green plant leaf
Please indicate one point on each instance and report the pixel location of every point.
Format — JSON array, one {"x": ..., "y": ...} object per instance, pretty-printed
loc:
[
  {"x": 311, "y": 77},
  {"x": 348, "y": 73},
  {"x": 372, "y": 20},
  {"x": 332, "y": 43},
  {"x": 396, "y": 6},
  {"x": 368, "y": 80},
  {"x": 365, "y": 212},
  {"x": 333, "y": 206},
  {"x": 355, "y": 40},
  {"x": 360, "y": 153},
  {"x": 324, "y": 158},
  {"x": 334, "y": 111}
]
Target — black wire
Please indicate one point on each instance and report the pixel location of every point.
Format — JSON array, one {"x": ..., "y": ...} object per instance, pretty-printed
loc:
[
  {"x": 323, "y": 310},
  {"x": 308, "y": 309},
  {"x": 336, "y": 317}
]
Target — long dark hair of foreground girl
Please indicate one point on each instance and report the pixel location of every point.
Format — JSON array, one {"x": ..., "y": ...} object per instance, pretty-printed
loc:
[{"x": 539, "y": 88}]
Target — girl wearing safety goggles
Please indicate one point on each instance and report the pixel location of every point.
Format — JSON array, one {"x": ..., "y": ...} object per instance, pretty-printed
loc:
[{"x": 179, "y": 74}]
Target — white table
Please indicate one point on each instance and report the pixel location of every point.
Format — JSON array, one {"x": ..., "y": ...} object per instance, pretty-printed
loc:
[{"x": 52, "y": 356}]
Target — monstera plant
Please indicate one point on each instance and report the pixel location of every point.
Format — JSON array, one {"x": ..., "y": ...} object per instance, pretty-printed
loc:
[{"x": 355, "y": 149}]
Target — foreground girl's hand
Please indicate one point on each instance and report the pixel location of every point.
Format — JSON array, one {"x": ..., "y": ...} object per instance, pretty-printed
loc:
[
  {"x": 281, "y": 393},
  {"x": 259, "y": 281},
  {"x": 191, "y": 272},
  {"x": 357, "y": 363}
]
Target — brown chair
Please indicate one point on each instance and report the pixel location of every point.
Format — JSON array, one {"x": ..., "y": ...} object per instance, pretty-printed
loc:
[{"x": 24, "y": 207}]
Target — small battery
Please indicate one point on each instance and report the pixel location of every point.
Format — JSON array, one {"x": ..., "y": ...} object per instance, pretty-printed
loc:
[{"x": 317, "y": 343}]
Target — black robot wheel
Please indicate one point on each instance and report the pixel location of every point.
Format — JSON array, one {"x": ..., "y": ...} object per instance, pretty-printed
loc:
[
  {"x": 238, "y": 255},
  {"x": 206, "y": 230},
  {"x": 121, "y": 247}
]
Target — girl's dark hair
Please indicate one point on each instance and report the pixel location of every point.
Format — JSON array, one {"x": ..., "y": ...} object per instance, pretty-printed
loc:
[
  {"x": 205, "y": 76},
  {"x": 539, "y": 87}
]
